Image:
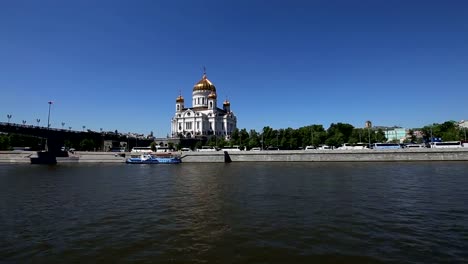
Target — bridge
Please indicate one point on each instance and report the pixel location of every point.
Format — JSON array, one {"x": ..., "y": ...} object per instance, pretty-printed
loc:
[{"x": 56, "y": 138}]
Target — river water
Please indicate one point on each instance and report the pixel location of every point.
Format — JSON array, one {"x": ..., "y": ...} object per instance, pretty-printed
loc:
[{"x": 235, "y": 213}]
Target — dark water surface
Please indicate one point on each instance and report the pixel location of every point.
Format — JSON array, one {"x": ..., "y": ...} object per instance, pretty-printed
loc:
[{"x": 235, "y": 213}]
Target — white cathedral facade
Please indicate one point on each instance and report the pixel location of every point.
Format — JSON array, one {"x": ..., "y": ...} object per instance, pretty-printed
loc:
[{"x": 204, "y": 118}]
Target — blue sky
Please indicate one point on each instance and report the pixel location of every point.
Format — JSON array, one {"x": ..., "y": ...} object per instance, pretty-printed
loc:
[{"x": 120, "y": 64}]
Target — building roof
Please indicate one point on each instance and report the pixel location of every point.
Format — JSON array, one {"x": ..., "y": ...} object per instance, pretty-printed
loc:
[{"x": 204, "y": 84}]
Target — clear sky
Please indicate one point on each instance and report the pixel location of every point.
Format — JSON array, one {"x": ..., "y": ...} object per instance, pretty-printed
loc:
[{"x": 120, "y": 64}]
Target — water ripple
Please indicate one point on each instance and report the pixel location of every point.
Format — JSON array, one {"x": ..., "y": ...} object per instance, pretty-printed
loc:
[{"x": 235, "y": 213}]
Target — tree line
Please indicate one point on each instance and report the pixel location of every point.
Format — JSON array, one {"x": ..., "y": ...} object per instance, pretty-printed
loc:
[
  {"x": 288, "y": 138},
  {"x": 336, "y": 135}
]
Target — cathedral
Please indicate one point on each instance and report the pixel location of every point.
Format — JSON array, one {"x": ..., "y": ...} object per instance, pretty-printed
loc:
[{"x": 204, "y": 118}]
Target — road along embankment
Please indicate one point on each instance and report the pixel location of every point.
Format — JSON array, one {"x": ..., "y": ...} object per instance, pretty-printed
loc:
[{"x": 460, "y": 154}]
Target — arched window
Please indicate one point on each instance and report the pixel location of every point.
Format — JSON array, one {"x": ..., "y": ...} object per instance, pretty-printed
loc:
[
  {"x": 211, "y": 104},
  {"x": 177, "y": 107}
]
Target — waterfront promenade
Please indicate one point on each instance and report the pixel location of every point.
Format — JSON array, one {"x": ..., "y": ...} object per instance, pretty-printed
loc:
[{"x": 460, "y": 154}]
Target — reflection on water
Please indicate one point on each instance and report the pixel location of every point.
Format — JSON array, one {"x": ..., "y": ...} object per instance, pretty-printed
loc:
[{"x": 235, "y": 213}]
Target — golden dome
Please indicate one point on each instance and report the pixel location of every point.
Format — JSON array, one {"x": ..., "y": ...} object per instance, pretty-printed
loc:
[
  {"x": 179, "y": 99},
  {"x": 212, "y": 95},
  {"x": 204, "y": 84},
  {"x": 226, "y": 102}
]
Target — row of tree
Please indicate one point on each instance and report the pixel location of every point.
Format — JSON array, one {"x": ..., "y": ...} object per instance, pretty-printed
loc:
[
  {"x": 289, "y": 138},
  {"x": 336, "y": 135}
]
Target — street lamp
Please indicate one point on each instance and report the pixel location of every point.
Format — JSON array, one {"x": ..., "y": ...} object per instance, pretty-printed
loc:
[
  {"x": 48, "y": 117},
  {"x": 69, "y": 128},
  {"x": 369, "y": 125},
  {"x": 432, "y": 139},
  {"x": 262, "y": 140},
  {"x": 277, "y": 143},
  {"x": 63, "y": 124},
  {"x": 311, "y": 136},
  {"x": 38, "y": 120},
  {"x": 9, "y": 117},
  {"x": 84, "y": 128},
  {"x": 24, "y": 122}
]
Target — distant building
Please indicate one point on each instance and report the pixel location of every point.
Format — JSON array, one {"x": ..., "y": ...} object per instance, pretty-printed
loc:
[
  {"x": 463, "y": 124},
  {"x": 396, "y": 133},
  {"x": 393, "y": 133},
  {"x": 204, "y": 118}
]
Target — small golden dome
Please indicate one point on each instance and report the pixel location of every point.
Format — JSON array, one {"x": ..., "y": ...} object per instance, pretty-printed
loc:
[
  {"x": 226, "y": 102},
  {"x": 204, "y": 84},
  {"x": 212, "y": 95},
  {"x": 179, "y": 99}
]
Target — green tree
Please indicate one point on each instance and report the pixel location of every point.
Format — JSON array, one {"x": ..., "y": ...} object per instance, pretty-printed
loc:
[
  {"x": 4, "y": 142},
  {"x": 254, "y": 140},
  {"x": 243, "y": 137},
  {"x": 170, "y": 145},
  {"x": 380, "y": 136},
  {"x": 153, "y": 146},
  {"x": 341, "y": 132},
  {"x": 235, "y": 137},
  {"x": 87, "y": 144}
]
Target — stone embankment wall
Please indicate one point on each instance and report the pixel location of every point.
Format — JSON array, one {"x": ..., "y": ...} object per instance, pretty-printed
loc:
[
  {"x": 331, "y": 155},
  {"x": 16, "y": 156},
  {"x": 264, "y": 156},
  {"x": 80, "y": 156}
]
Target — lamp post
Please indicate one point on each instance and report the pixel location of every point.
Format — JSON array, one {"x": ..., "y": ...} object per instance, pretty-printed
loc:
[
  {"x": 24, "y": 122},
  {"x": 9, "y": 117},
  {"x": 48, "y": 116},
  {"x": 84, "y": 128},
  {"x": 277, "y": 143},
  {"x": 63, "y": 124},
  {"x": 311, "y": 136},
  {"x": 262, "y": 140},
  {"x": 368, "y": 130},
  {"x": 69, "y": 128},
  {"x": 368, "y": 124},
  {"x": 432, "y": 139},
  {"x": 38, "y": 120}
]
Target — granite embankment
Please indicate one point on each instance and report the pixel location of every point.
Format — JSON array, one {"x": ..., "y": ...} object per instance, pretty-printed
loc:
[{"x": 264, "y": 156}]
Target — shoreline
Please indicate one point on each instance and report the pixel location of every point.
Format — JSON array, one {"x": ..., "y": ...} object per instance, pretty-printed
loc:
[{"x": 410, "y": 155}]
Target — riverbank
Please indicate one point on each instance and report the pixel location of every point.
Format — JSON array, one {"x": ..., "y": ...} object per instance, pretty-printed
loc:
[{"x": 263, "y": 156}]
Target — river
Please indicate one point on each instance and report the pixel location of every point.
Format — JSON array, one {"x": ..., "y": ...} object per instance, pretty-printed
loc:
[{"x": 410, "y": 212}]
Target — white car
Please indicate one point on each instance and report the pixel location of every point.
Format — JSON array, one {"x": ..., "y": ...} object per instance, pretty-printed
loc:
[{"x": 325, "y": 147}]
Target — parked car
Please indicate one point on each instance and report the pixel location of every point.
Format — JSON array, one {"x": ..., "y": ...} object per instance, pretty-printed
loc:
[{"x": 325, "y": 147}]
